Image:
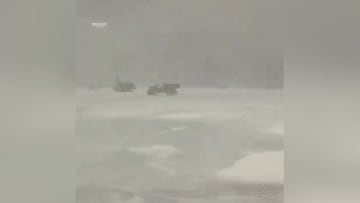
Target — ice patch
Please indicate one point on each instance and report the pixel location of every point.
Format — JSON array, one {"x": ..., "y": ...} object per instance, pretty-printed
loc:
[
  {"x": 174, "y": 129},
  {"x": 156, "y": 151},
  {"x": 178, "y": 128},
  {"x": 267, "y": 167},
  {"x": 162, "y": 166},
  {"x": 206, "y": 115},
  {"x": 158, "y": 157}
]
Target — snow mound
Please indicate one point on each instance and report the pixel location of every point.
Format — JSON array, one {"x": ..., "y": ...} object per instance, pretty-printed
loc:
[{"x": 267, "y": 167}]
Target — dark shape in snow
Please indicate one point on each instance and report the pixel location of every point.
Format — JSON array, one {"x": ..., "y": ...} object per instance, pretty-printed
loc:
[
  {"x": 124, "y": 87},
  {"x": 165, "y": 88}
]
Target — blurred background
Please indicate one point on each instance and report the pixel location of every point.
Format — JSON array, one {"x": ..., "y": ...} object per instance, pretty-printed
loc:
[
  {"x": 195, "y": 43},
  {"x": 37, "y": 111}
]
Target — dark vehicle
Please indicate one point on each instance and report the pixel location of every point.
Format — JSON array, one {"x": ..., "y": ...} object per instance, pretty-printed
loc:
[
  {"x": 124, "y": 87},
  {"x": 165, "y": 88}
]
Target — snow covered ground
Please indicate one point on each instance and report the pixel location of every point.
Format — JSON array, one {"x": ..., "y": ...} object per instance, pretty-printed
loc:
[{"x": 203, "y": 145}]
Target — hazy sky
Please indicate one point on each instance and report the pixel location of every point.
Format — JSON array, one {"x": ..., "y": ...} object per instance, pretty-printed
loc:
[{"x": 194, "y": 42}]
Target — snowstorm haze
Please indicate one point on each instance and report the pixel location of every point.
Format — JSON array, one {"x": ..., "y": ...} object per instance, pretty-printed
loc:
[
  {"x": 210, "y": 130},
  {"x": 193, "y": 42}
]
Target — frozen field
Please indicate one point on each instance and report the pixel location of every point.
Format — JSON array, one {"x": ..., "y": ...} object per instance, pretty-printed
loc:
[{"x": 202, "y": 146}]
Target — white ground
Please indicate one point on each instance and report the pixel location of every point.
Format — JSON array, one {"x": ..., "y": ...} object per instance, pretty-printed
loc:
[{"x": 139, "y": 143}]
